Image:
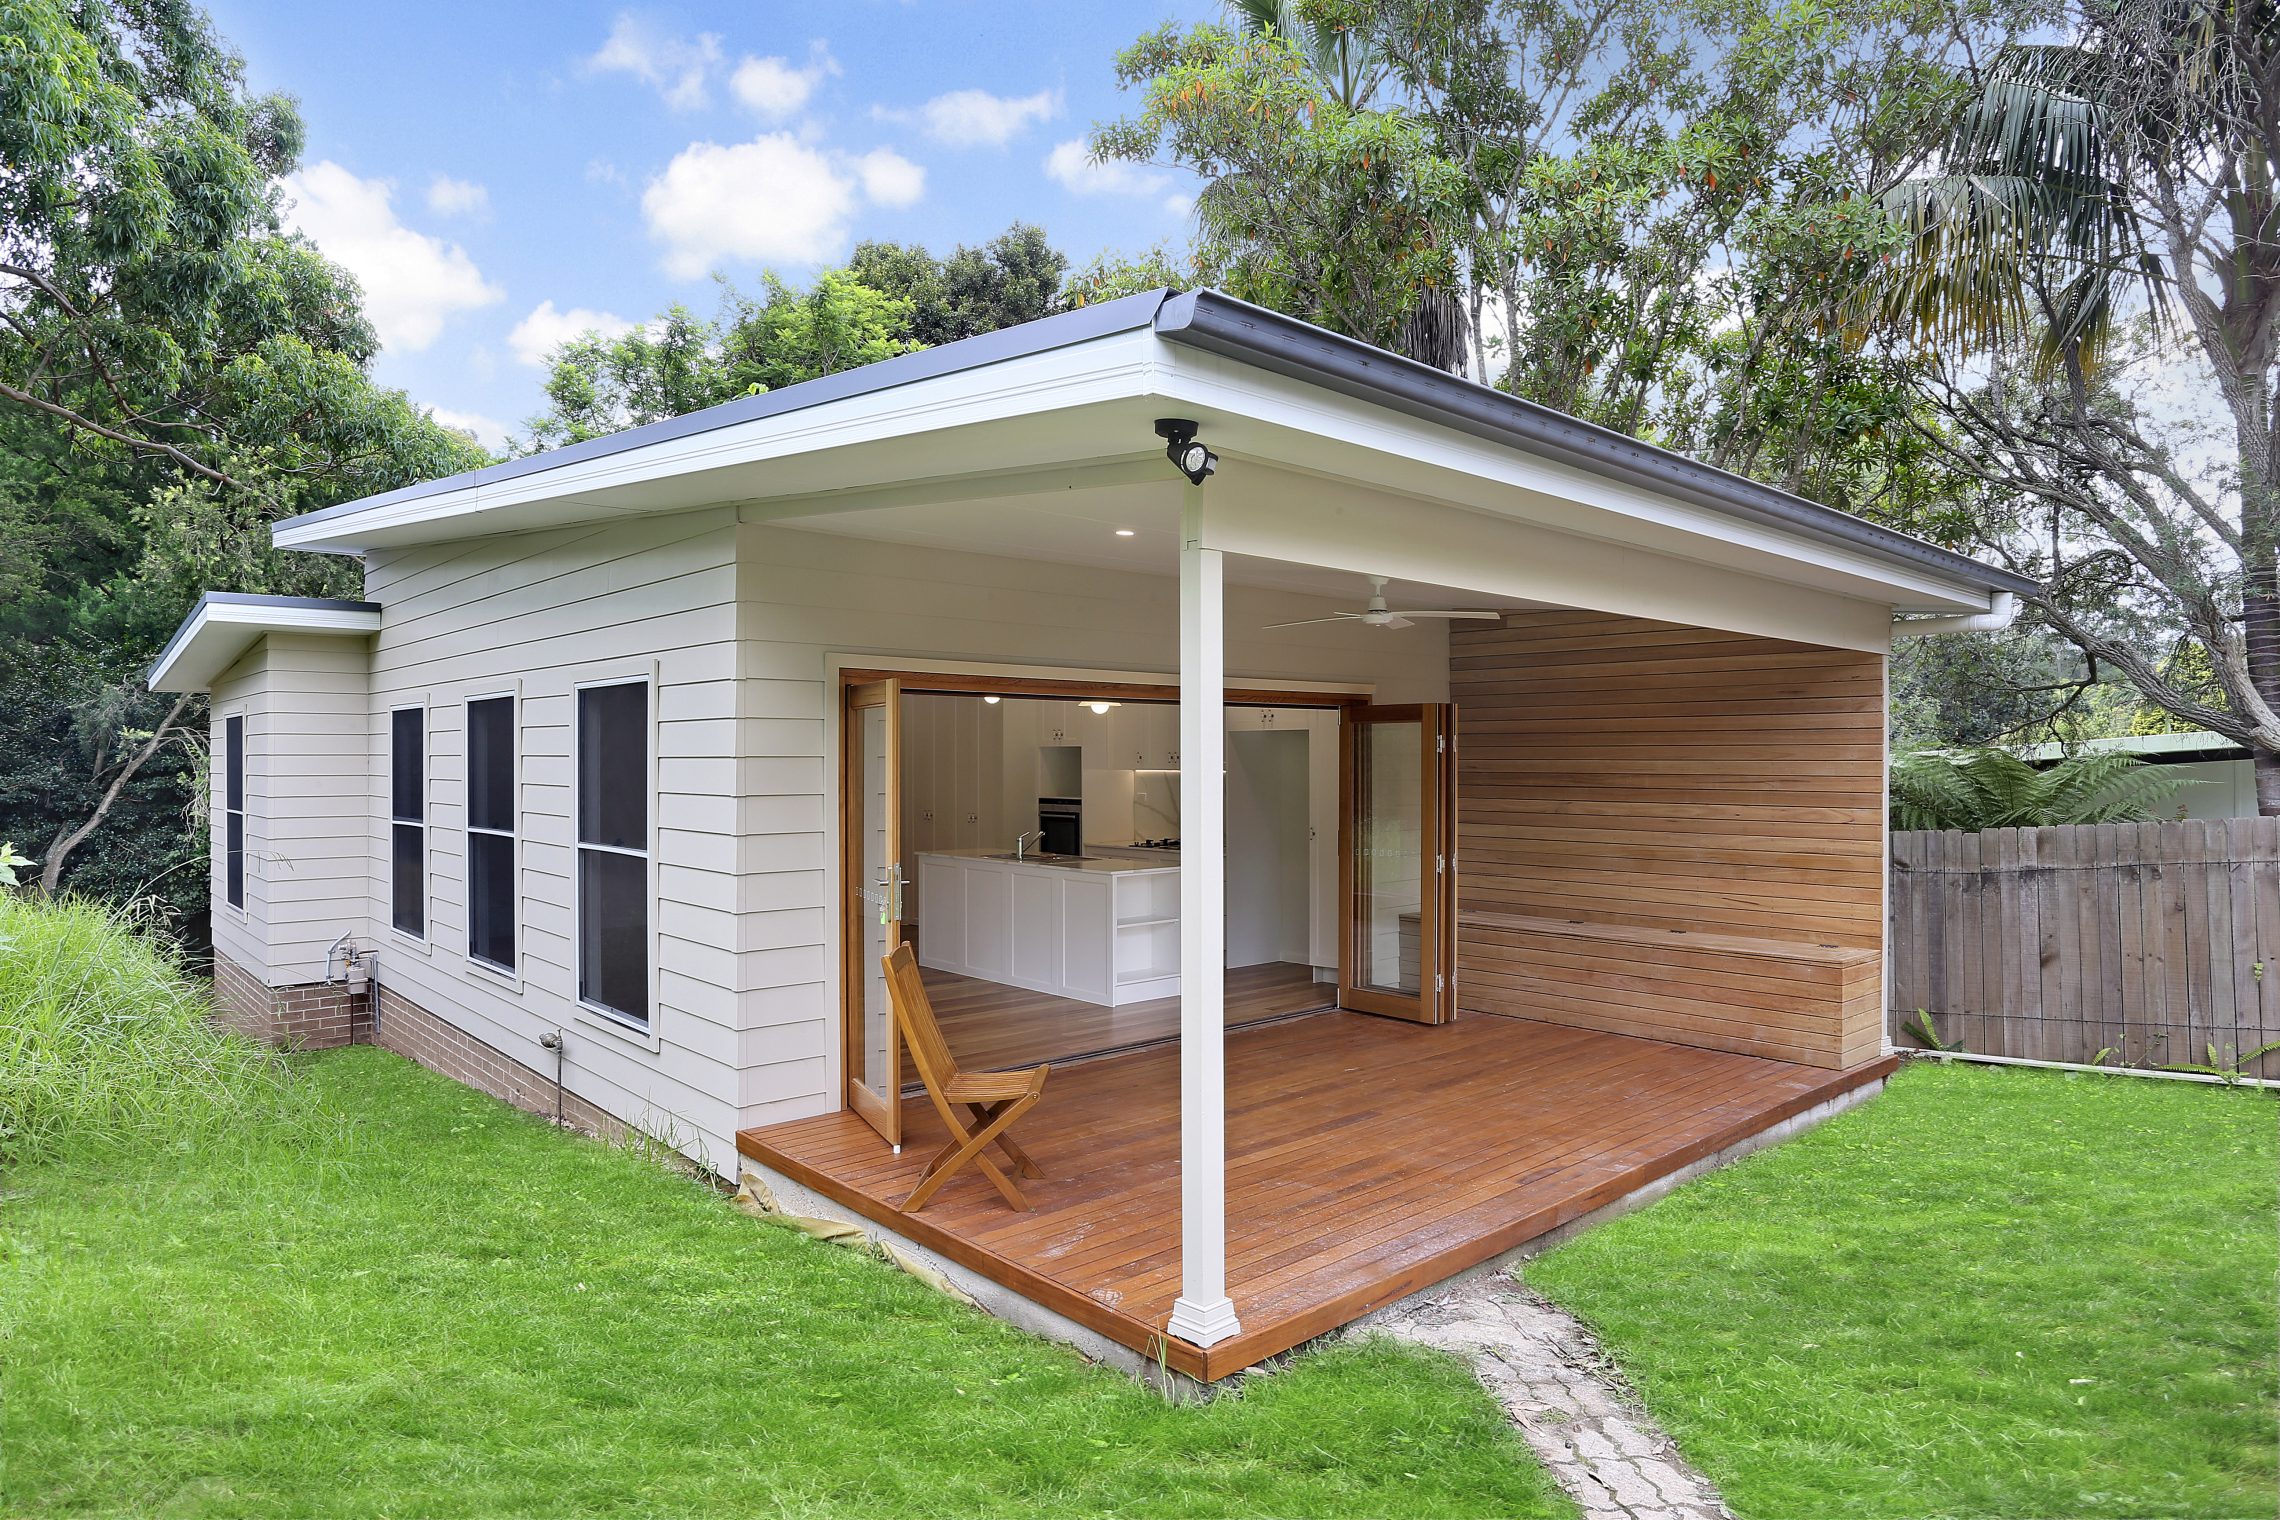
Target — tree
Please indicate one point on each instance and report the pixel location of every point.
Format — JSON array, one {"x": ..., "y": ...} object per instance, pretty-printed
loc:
[
  {"x": 158, "y": 331},
  {"x": 2109, "y": 227},
  {"x": 1016, "y": 278}
]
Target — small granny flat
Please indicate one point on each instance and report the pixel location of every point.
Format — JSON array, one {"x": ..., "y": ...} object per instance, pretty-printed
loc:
[{"x": 1408, "y": 819}]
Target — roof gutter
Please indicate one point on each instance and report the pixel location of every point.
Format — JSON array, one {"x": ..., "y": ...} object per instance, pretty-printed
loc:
[{"x": 1220, "y": 324}]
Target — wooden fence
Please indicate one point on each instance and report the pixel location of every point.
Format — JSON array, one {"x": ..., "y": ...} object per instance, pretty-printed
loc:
[{"x": 2150, "y": 940}]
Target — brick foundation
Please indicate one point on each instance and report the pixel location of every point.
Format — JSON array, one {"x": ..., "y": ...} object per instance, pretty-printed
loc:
[
  {"x": 411, "y": 1031},
  {"x": 319, "y": 1016},
  {"x": 311, "y": 1016}
]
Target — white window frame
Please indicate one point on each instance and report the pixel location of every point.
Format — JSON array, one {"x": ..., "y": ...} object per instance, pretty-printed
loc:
[
  {"x": 512, "y": 976},
  {"x": 426, "y": 823},
  {"x": 241, "y": 910},
  {"x": 644, "y": 1033}
]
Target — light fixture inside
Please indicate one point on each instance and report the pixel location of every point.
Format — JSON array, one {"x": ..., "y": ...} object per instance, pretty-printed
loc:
[
  {"x": 1124, "y": 533},
  {"x": 1102, "y": 707},
  {"x": 993, "y": 701}
]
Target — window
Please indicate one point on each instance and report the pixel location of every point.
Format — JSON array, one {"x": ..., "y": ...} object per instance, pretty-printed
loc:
[
  {"x": 613, "y": 848},
  {"x": 407, "y": 811},
  {"x": 491, "y": 831},
  {"x": 233, "y": 810}
]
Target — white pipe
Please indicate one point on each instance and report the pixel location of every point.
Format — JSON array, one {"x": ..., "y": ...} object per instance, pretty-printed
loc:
[
  {"x": 2102, "y": 1071},
  {"x": 2002, "y": 611}
]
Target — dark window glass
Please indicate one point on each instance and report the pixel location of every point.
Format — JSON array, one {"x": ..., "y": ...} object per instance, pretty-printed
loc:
[
  {"x": 491, "y": 764},
  {"x": 491, "y": 898},
  {"x": 233, "y": 856},
  {"x": 406, "y": 770},
  {"x": 613, "y": 766},
  {"x": 233, "y": 765},
  {"x": 408, "y": 843},
  {"x": 613, "y": 932}
]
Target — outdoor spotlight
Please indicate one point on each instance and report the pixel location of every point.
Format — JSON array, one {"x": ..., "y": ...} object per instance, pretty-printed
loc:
[{"x": 1184, "y": 449}]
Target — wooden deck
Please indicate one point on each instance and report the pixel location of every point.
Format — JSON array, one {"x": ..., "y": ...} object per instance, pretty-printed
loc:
[
  {"x": 1366, "y": 1159},
  {"x": 991, "y": 1026}
]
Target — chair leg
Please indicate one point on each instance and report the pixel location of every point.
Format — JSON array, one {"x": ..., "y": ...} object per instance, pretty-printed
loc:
[
  {"x": 973, "y": 1147},
  {"x": 1023, "y": 1166}
]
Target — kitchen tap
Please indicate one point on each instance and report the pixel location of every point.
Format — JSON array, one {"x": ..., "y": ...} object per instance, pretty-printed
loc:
[{"x": 1021, "y": 842}]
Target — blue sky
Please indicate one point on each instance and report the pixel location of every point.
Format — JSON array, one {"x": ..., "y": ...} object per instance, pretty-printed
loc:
[{"x": 499, "y": 176}]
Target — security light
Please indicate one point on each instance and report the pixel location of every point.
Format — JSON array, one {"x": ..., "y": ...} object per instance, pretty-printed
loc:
[{"x": 1184, "y": 449}]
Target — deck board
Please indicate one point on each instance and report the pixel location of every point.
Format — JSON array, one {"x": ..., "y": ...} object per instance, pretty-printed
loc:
[{"x": 1366, "y": 1159}]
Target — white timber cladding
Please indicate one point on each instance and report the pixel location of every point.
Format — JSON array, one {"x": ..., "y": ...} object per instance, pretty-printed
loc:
[
  {"x": 306, "y": 837},
  {"x": 809, "y": 603},
  {"x": 542, "y": 614}
]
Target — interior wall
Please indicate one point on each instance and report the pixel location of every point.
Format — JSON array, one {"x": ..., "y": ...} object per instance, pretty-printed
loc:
[{"x": 1615, "y": 771}]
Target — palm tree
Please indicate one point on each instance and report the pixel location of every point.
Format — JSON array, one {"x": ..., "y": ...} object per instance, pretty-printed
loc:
[
  {"x": 1347, "y": 67},
  {"x": 1995, "y": 789}
]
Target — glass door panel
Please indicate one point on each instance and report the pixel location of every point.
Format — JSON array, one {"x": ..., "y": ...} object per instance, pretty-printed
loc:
[
  {"x": 871, "y": 871},
  {"x": 1398, "y": 866}
]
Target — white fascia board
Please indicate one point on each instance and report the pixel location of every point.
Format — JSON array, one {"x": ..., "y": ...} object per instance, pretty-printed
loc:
[
  {"x": 218, "y": 633},
  {"x": 1320, "y": 431},
  {"x": 1107, "y": 369}
]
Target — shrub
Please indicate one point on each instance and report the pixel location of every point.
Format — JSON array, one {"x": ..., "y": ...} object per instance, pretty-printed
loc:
[{"x": 105, "y": 1043}]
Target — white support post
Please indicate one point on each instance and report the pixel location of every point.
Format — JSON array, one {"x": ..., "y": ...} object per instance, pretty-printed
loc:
[{"x": 1203, "y": 1314}]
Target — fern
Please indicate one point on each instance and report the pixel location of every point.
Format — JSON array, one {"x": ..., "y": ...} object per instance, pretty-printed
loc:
[{"x": 1995, "y": 789}]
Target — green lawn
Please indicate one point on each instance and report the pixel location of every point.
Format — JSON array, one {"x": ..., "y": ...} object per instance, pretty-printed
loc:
[
  {"x": 420, "y": 1303},
  {"x": 1988, "y": 1292}
]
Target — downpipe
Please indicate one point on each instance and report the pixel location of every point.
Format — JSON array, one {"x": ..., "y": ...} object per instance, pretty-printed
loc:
[{"x": 2002, "y": 611}]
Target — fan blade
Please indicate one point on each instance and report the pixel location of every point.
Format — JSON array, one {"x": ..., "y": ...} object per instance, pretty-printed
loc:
[
  {"x": 1409, "y": 613},
  {"x": 1335, "y": 617},
  {"x": 1393, "y": 620}
]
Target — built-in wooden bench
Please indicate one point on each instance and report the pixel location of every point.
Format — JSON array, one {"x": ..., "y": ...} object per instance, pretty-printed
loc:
[{"x": 1818, "y": 1004}]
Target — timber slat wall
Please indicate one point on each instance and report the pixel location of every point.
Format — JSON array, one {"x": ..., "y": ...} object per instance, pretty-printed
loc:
[
  {"x": 2153, "y": 940},
  {"x": 1618, "y": 773}
]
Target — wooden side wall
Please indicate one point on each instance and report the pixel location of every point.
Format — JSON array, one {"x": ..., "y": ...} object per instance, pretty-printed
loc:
[{"x": 1661, "y": 781}]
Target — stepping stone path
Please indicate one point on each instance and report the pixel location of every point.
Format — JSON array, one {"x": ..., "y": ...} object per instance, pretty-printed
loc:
[{"x": 1566, "y": 1398}]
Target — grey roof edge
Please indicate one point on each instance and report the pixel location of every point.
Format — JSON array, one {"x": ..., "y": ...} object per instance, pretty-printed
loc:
[
  {"x": 191, "y": 619},
  {"x": 1085, "y": 323},
  {"x": 1221, "y": 324}
]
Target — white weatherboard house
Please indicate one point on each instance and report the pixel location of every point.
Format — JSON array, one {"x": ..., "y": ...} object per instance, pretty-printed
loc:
[{"x": 1365, "y": 947}]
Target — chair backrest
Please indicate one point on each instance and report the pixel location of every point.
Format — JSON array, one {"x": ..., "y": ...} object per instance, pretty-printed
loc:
[{"x": 914, "y": 1015}]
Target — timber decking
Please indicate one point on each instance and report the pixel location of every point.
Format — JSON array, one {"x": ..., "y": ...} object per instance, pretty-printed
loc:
[
  {"x": 990, "y": 1025},
  {"x": 1366, "y": 1159}
]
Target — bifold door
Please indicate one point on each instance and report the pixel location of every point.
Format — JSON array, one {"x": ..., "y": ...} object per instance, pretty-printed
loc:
[
  {"x": 1398, "y": 866},
  {"x": 870, "y": 833}
]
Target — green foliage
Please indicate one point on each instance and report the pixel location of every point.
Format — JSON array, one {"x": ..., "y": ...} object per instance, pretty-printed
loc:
[
  {"x": 107, "y": 1049},
  {"x": 441, "y": 1307},
  {"x": 1995, "y": 789},
  {"x": 1110, "y": 275},
  {"x": 788, "y": 336},
  {"x": 1924, "y": 1032},
  {"x": 1016, "y": 278},
  {"x": 1985, "y": 1293},
  {"x": 11, "y": 864},
  {"x": 1345, "y": 217}
]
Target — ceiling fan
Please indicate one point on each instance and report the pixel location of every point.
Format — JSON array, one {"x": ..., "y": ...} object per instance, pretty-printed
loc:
[{"x": 1378, "y": 615}]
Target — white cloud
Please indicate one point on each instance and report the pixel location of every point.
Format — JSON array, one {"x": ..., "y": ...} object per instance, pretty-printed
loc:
[
  {"x": 774, "y": 88},
  {"x": 771, "y": 199},
  {"x": 457, "y": 197},
  {"x": 1071, "y": 165},
  {"x": 1179, "y": 205},
  {"x": 487, "y": 431},
  {"x": 889, "y": 179},
  {"x": 976, "y": 118},
  {"x": 675, "y": 67},
  {"x": 412, "y": 282},
  {"x": 538, "y": 335},
  {"x": 600, "y": 171}
]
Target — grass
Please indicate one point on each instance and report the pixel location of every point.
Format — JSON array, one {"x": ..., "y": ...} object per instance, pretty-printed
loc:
[
  {"x": 1989, "y": 1292},
  {"x": 437, "y": 1306},
  {"x": 105, "y": 1046}
]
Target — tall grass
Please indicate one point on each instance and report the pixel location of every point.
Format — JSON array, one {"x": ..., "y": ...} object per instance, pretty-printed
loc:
[{"x": 105, "y": 1043}]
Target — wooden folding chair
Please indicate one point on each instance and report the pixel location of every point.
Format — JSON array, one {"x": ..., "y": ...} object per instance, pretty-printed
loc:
[{"x": 995, "y": 1099}]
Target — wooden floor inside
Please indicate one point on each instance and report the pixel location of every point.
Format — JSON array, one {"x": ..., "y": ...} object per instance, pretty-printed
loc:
[
  {"x": 991, "y": 1026},
  {"x": 1366, "y": 1159}
]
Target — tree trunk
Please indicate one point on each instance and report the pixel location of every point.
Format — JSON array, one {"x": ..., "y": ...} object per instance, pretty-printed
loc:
[
  {"x": 51, "y": 869},
  {"x": 2267, "y": 762}
]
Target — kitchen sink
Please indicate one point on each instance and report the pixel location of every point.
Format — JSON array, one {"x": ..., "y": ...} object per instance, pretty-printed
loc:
[{"x": 1039, "y": 858}]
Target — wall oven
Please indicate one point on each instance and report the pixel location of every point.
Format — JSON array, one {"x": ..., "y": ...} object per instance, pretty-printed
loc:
[{"x": 1061, "y": 822}]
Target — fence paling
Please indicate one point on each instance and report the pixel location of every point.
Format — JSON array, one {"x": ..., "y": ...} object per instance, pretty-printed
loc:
[{"x": 2152, "y": 940}]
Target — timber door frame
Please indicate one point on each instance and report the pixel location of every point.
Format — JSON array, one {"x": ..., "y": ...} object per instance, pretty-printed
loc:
[
  {"x": 1435, "y": 1001},
  {"x": 881, "y": 1110}
]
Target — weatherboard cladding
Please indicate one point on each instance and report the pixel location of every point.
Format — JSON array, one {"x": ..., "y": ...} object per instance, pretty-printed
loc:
[{"x": 1207, "y": 320}]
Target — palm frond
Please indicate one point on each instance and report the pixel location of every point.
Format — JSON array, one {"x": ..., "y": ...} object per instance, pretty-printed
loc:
[{"x": 1995, "y": 789}]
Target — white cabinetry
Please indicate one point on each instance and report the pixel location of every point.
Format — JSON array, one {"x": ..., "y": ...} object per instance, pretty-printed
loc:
[{"x": 1099, "y": 936}]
